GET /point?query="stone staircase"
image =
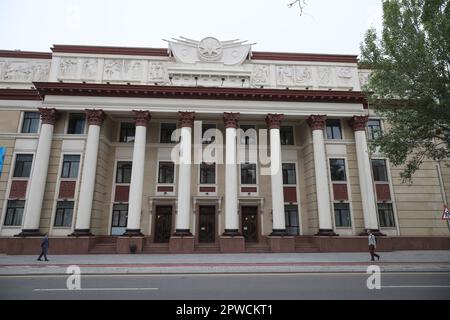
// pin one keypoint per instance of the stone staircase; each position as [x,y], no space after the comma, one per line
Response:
[257,247]
[154,248]
[104,245]
[305,244]
[207,248]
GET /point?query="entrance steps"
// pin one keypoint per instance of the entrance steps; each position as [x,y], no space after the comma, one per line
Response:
[305,244]
[257,247]
[104,245]
[150,247]
[206,248]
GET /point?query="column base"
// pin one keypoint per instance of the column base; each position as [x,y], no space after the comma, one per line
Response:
[232,244]
[182,233]
[326,232]
[280,244]
[375,232]
[279,233]
[181,244]
[231,233]
[133,233]
[81,233]
[29,233]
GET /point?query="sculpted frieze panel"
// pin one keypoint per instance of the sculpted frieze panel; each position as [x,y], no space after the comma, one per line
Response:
[68,68]
[23,71]
[123,70]
[261,74]
[157,72]
[89,68]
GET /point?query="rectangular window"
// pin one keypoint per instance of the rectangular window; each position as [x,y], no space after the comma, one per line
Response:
[334,129]
[127,132]
[119,216]
[386,215]
[291,214]
[166,172]
[287,135]
[76,123]
[342,216]
[64,213]
[379,170]
[14,213]
[123,172]
[337,168]
[289,173]
[247,135]
[248,173]
[208,136]
[207,173]
[71,164]
[166,132]
[22,167]
[374,129]
[30,122]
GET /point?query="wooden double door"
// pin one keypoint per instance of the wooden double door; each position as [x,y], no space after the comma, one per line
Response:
[163,223]
[249,223]
[206,224]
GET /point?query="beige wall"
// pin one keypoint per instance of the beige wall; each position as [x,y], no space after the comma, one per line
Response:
[418,207]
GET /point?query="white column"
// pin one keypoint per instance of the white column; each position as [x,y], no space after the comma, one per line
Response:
[278,216]
[38,178]
[137,175]
[317,124]
[182,225]
[231,172]
[358,124]
[83,217]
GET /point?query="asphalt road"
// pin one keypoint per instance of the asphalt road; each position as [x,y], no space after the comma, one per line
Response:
[230,286]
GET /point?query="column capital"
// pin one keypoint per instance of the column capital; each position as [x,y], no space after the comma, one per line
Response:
[231,119]
[186,118]
[95,117]
[273,120]
[358,123]
[141,118]
[48,115]
[317,121]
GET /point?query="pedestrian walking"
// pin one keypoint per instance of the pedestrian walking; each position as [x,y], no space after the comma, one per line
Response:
[44,248]
[372,245]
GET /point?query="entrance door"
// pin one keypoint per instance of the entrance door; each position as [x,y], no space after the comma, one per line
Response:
[207,224]
[163,223]
[250,223]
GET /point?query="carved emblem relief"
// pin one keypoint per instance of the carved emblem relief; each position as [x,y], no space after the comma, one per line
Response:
[210,49]
[23,71]
[261,74]
[89,68]
[156,72]
[68,68]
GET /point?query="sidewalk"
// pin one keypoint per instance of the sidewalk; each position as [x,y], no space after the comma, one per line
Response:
[398,261]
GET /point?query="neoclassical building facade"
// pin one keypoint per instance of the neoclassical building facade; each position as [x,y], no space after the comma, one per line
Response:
[204,146]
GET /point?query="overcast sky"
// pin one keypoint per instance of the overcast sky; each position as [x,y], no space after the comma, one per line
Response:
[326,26]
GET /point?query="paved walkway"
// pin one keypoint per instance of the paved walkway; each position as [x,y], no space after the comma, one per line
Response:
[399,261]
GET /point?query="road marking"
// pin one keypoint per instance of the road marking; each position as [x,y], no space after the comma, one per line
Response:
[383,287]
[98,289]
[229,274]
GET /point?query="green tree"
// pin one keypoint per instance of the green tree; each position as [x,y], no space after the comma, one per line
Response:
[410,81]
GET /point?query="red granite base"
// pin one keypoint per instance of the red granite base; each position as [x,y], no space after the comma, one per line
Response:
[232,244]
[32,245]
[126,245]
[281,244]
[181,244]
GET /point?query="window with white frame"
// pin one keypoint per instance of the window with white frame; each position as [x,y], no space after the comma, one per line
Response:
[289,176]
[14,213]
[30,122]
[333,128]
[386,215]
[166,172]
[70,166]
[248,173]
[342,217]
[77,122]
[207,173]
[64,214]
[22,167]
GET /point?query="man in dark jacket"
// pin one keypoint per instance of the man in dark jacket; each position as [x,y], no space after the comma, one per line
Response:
[44,247]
